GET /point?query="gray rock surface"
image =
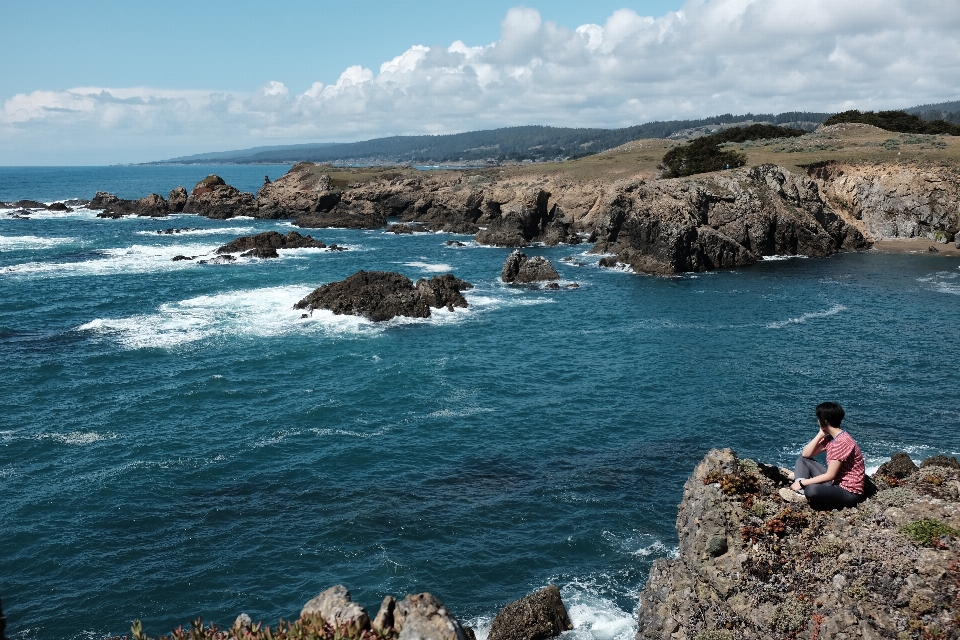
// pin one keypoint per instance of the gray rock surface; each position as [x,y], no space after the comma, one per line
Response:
[423,617]
[517,268]
[335,607]
[537,616]
[752,567]
[177,199]
[383,622]
[382,295]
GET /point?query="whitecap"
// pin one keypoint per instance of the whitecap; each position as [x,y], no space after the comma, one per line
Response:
[778,258]
[348,433]
[21,243]
[594,615]
[430,268]
[943,282]
[75,438]
[200,232]
[835,309]
[123,260]
[276,438]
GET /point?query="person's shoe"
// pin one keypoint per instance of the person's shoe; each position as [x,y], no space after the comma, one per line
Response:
[790,495]
[787,473]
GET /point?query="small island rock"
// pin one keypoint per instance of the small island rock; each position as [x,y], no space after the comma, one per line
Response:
[271,240]
[517,268]
[538,616]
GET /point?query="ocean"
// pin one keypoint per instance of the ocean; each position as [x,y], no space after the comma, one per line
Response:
[176,441]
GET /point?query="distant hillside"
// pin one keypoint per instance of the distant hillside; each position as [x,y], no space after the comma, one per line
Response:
[947,111]
[516,144]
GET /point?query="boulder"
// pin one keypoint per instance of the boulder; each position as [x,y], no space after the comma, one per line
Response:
[58,206]
[941,461]
[537,616]
[177,199]
[261,252]
[384,620]
[382,295]
[517,268]
[242,623]
[271,240]
[336,608]
[25,204]
[899,466]
[180,257]
[153,206]
[213,198]
[423,617]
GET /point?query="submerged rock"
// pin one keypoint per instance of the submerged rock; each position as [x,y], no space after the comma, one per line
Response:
[537,616]
[382,295]
[517,268]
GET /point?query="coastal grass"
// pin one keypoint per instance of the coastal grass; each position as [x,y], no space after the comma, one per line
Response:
[927,531]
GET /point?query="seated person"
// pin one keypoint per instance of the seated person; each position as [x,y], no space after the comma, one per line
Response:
[841,483]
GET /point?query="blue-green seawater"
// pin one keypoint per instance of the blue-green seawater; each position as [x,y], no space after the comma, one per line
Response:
[176,441]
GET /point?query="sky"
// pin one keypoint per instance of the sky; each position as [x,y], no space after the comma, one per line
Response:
[106,82]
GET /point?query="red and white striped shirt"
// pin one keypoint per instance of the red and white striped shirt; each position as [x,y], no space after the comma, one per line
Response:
[852,470]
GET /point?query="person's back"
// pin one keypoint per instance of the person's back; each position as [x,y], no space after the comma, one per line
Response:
[841,483]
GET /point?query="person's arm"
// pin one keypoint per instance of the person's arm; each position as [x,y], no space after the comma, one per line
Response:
[833,467]
[814,447]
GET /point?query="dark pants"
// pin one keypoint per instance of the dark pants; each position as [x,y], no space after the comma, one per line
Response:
[823,494]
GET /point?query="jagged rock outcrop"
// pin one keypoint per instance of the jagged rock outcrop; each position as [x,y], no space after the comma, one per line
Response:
[719,221]
[751,566]
[152,205]
[898,466]
[177,199]
[423,617]
[336,607]
[895,200]
[213,198]
[523,216]
[537,616]
[382,295]
[271,241]
[517,268]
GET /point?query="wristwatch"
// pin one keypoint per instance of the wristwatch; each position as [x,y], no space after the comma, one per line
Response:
[800,482]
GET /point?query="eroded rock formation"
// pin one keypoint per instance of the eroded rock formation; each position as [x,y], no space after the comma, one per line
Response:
[213,198]
[751,566]
[382,295]
[537,616]
[517,268]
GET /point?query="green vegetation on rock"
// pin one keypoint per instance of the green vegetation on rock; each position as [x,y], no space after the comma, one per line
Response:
[926,531]
[899,121]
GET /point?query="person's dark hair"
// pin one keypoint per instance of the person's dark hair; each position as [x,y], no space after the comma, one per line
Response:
[831,413]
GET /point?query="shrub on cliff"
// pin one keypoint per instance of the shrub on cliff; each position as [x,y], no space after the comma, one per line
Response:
[704,154]
[899,121]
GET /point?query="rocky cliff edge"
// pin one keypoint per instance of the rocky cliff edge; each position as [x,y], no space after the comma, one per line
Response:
[751,565]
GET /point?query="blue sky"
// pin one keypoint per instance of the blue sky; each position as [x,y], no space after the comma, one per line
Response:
[103,82]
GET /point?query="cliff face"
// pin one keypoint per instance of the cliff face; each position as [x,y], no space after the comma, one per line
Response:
[895,201]
[752,566]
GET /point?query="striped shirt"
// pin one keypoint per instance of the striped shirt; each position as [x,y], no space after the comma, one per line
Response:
[852,470]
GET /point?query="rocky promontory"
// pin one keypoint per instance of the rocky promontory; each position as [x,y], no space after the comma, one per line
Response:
[753,566]
[383,295]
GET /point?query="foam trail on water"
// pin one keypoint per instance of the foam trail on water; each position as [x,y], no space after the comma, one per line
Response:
[20,243]
[835,309]
[201,232]
[943,282]
[125,260]
[429,268]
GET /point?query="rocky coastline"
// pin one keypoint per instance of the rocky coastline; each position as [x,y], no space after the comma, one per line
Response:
[698,223]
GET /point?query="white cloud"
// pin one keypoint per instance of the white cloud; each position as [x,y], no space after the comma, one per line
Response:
[712,57]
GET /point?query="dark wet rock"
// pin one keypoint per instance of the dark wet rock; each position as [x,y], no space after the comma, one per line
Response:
[224,259]
[180,257]
[261,252]
[552,286]
[538,616]
[177,199]
[608,262]
[423,617]
[171,230]
[25,204]
[213,198]
[517,268]
[515,218]
[455,243]
[573,285]
[271,240]
[76,203]
[20,213]
[383,622]
[899,466]
[152,205]
[940,461]
[358,215]
[382,295]
[58,206]
[932,249]
[336,607]
[336,247]
[403,229]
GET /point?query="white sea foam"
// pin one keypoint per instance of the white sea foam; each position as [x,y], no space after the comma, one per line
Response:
[276,438]
[43,214]
[834,310]
[21,243]
[135,259]
[348,433]
[779,258]
[943,282]
[596,616]
[74,438]
[429,267]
